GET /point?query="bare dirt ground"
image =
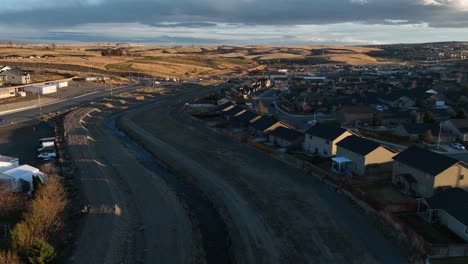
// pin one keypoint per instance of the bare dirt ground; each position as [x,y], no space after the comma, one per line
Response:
[133,216]
[274,213]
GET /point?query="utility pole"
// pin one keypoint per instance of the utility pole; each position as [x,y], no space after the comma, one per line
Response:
[440,131]
[39,99]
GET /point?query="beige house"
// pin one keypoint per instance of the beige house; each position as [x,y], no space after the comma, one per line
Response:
[419,172]
[448,207]
[264,125]
[362,157]
[286,137]
[351,114]
[458,127]
[14,76]
[321,139]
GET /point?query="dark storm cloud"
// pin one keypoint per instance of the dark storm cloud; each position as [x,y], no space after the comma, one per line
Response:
[190,13]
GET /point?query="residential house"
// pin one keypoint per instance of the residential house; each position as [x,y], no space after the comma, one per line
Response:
[244,119]
[223,100]
[458,127]
[15,76]
[321,139]
[352,114]
[419,172]
[262,126]
[232,112]
[397,98]
[364,156]
[224,107]
[419,131]
[448,207]
[286,137]
[4,68]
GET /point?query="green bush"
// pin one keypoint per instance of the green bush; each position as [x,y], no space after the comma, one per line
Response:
[41,252]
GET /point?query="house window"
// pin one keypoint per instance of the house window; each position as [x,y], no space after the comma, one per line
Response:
[327,142]
[422,189]
[462,177]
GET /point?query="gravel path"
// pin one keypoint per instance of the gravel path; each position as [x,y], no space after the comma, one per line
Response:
[274,213]
[134,216]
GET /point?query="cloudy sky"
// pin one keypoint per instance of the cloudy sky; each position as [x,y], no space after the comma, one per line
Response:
[236,22]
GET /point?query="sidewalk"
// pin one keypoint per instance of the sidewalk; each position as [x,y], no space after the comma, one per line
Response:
[31,103]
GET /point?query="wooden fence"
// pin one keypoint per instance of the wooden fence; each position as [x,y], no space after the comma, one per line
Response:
[386,211]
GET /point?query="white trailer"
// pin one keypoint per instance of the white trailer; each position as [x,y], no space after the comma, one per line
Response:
[58,84]
[43,89]
[46,145]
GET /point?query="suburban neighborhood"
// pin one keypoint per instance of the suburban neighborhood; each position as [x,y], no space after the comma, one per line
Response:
[260,160]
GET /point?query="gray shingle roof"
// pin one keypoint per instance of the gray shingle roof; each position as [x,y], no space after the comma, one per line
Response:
[326,132]
[461,124]
[264,122]
[287,133]
[452,200]
[425,160]
[358,145]
[245,117]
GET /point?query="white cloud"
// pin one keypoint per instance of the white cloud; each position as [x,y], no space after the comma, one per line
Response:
[360,2]
[396,21]
[461,5]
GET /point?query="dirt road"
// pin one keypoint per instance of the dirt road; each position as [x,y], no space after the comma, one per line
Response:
[133,216]
[274,213]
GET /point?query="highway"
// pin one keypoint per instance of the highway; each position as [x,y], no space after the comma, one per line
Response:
[34,112]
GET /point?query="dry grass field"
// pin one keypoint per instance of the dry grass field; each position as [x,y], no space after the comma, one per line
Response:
[175,61]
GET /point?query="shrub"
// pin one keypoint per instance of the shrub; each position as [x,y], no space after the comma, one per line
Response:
[22,237]
[11,202]
[8,257]
[41,252]
[43,219]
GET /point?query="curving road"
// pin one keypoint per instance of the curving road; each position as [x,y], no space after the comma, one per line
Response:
[24,115]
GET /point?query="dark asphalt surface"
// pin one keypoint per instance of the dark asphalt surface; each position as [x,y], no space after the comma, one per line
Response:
[60,106]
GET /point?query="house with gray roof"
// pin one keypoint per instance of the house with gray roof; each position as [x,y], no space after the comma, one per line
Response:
[448,207]
[321,139]
[364,157]
[458,127]
[286,137]
[418,172]
[15,76]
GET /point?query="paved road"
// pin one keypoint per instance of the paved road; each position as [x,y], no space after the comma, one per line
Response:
[63,105]
[299,121]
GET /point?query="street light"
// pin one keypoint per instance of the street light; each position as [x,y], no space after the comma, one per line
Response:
[440,131]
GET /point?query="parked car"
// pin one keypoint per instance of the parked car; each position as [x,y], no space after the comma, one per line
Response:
[2,120]
[47,155]
[458,146]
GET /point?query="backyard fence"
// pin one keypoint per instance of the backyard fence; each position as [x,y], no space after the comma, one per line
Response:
[385,211]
